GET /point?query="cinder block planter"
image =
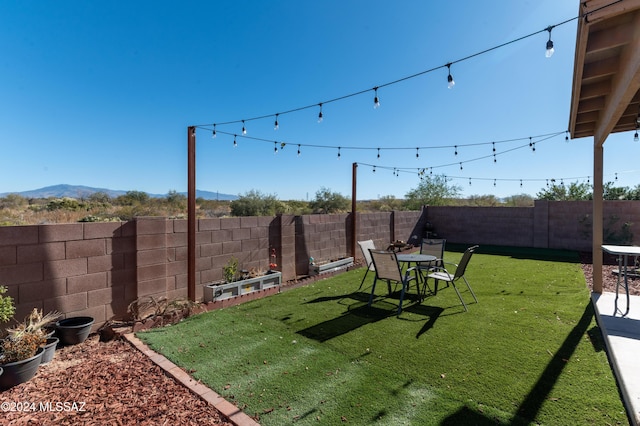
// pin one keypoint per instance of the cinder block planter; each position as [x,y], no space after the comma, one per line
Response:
[330,266]
[214,292]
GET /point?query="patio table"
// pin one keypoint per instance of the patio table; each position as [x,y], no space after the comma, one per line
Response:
[416,258]
[623,253]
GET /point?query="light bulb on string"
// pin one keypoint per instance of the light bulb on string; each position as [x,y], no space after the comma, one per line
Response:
[320,113]
[235,143]
[374,169]
[494,147]
[460,166]
[298,150]
[378,153]
[469,181]
[520,183]
[549,52]
[456,150]
[417,152]
[244,129]
[635,136]
[282,145]
[566,136]
[494,182]
[376,100]
[214,133]
[338,153]
[275,148]
[276,125]
[450,82]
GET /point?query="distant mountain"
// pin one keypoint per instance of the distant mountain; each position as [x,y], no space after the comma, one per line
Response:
[80,191]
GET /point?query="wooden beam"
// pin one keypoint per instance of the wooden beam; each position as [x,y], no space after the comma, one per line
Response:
[599,69]
[625,85]
[595,104]
[587,117]
[609,38]
[606,11]
[597,90]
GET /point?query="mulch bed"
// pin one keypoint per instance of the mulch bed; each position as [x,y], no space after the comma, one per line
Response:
[113,383]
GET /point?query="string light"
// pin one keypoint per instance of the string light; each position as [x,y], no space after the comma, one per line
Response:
[214,133]
[298,150]
[320,113]
[378,153]
[460,166]
[376,101]
[244,129]
[235,143]
[550,49]
[275,148]
[417,152]
[450,82]
[338,153]
[635,136]
[494,182]
[456,150]
[566,136]
[374,169]
[276,125]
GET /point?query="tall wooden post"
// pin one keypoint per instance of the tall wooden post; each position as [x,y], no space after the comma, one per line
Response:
[354,222]
[191,213]
[598,217]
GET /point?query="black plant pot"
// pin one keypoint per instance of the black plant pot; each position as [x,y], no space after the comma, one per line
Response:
[74,330]
[18,372]
[49,350]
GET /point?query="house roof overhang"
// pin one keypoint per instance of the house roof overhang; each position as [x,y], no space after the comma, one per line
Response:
[605,96]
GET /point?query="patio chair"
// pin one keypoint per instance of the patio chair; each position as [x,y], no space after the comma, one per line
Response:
[433,247]
[387,268]
[365,246]
[441,274]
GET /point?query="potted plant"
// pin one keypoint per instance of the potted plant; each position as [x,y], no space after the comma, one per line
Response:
[6,311]
[22,348]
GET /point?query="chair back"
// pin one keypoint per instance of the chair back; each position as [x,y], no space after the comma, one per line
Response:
[466,257]
[386,265]
[365,246]
[433,247]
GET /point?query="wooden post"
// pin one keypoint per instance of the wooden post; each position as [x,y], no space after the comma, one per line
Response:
[191,213]
[354,222]
[598,217]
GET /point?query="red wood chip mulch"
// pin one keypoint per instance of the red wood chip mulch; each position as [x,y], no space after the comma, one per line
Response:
[104,383]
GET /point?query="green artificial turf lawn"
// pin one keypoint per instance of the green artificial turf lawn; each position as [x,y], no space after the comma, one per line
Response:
[529,352]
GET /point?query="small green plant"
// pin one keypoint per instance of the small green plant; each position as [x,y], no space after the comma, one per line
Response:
[6,306]
[230,270]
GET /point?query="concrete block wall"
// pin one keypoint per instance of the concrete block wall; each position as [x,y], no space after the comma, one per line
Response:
[97,269]
[79,269]
[549,224]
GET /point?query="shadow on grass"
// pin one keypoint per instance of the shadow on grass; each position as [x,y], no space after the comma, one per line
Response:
[351,320]
[554,255]
[539,393]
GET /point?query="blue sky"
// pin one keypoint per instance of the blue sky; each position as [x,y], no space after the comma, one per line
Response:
[101,94]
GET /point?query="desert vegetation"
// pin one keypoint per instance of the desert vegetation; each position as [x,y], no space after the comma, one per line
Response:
[432,190]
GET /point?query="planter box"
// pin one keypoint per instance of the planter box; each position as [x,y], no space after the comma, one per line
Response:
[330,266]
[213,292]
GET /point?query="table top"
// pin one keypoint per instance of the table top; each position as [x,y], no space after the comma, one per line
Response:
[416,258]
[629,250]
